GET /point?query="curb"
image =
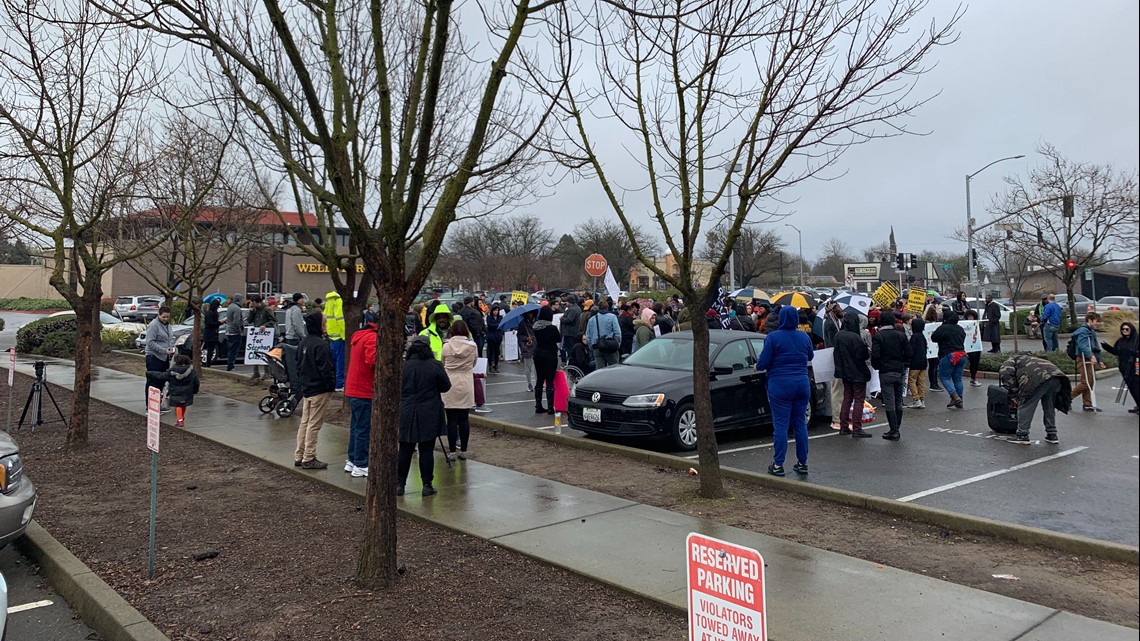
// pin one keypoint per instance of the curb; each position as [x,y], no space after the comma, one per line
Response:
[100,606]
[1026,535]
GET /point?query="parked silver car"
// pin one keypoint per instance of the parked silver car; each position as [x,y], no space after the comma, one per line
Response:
[137,308]
[1119,303]
[17,493]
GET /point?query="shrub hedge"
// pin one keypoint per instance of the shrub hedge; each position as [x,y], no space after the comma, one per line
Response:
[992,362]
[56,337]
[32,304]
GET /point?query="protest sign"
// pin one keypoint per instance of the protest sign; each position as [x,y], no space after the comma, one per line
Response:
[257,340]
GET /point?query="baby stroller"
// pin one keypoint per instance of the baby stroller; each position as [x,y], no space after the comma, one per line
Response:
[283,396]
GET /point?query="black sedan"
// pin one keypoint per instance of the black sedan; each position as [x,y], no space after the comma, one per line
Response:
[651,393]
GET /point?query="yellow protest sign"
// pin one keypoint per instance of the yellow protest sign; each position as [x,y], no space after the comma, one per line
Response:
[885,295]
[916,302]
[519,297]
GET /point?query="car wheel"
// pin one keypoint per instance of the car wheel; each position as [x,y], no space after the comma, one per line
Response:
[266,404]
[684,431]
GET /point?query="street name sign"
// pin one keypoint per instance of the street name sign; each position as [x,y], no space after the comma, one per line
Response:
[726,591]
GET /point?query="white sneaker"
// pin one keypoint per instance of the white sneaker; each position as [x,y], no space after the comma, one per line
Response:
[357,472]
[482,409]
[348,466]
[975,384]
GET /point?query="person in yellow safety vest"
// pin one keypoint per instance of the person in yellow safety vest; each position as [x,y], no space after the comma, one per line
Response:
[440,322]
[334,327]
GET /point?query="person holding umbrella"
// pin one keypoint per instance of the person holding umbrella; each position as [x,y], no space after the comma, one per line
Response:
[785,357]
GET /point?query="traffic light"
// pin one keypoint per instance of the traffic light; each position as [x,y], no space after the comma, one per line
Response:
[911,262]
[973,259]
[900,262]
[1070,265]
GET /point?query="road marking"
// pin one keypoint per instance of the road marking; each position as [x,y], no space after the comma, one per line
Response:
[529,400]
[763,445]
[990,475]
[29,606]
[506,383]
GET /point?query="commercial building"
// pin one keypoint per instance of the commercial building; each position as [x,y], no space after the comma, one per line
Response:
[642,279]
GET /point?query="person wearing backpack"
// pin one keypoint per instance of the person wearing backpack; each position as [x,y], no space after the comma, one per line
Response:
[603,333]
[1085,348]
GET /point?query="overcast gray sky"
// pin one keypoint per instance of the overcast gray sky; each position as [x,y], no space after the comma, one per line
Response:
[1023,72]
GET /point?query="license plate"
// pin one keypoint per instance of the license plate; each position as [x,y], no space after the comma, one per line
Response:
[591,415]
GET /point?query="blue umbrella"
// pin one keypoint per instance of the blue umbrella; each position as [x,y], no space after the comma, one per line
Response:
[514,317]
[209,299]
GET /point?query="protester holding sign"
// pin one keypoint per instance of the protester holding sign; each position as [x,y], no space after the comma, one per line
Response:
[261,317]
[951,341]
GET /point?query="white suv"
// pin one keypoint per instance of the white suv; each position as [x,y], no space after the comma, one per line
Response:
[1122,303]
[137,308]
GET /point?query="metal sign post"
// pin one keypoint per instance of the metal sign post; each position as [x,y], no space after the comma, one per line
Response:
[153,413]
[11,383]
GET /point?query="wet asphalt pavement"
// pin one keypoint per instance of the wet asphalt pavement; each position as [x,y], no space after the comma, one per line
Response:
[35,612]
[947,458]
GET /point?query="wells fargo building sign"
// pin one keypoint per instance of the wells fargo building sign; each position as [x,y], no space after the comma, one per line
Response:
[319,268]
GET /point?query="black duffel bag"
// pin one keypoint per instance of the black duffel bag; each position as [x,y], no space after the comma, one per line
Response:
[1001,410]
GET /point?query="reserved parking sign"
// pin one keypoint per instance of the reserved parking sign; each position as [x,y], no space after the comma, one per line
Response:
[726,591]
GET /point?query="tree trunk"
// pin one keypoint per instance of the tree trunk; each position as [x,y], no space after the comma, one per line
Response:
[712,482]
[376,565]
[81,394]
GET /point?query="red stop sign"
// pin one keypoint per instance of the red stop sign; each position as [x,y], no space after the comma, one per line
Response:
[596,265]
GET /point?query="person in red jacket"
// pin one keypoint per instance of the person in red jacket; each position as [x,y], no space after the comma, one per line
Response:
[358,390]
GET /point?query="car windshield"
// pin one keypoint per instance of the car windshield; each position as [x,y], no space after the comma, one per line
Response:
[667,353]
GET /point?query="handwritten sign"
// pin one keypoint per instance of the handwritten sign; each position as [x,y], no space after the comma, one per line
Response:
[885,295]
[257,340]
[520,297]
[916,301]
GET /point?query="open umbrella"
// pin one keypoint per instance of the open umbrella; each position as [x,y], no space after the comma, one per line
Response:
[848,301]
[798,300]
[215,296]
[748,293]
[514,317]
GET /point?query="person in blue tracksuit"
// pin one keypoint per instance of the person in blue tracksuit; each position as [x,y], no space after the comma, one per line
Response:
[785,357]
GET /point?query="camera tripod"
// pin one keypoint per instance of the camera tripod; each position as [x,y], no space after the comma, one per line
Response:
[35,395]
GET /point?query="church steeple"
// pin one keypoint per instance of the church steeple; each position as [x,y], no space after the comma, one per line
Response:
[891,242]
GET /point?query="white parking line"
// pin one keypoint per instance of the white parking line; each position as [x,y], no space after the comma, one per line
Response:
[506,383]
[990,475]
[529,400]
[28,606]
[763,445]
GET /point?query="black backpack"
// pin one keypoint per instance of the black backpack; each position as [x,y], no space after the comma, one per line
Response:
[1071,348]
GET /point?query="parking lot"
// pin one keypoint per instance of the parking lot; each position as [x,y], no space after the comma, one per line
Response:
[949,459]
[35,612]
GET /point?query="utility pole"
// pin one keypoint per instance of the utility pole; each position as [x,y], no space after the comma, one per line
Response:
[971,269]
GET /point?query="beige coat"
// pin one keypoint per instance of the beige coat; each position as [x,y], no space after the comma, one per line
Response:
[459,356]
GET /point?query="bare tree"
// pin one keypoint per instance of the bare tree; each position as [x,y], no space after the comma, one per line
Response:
[502,253]
[608,238]
[727,101]
[72,99]
[209,201]
[876,252]
[379,114]
[833,253]
[1100,228]
[759,251]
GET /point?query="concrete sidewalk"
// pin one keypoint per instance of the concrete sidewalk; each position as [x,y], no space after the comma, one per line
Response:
[812,594]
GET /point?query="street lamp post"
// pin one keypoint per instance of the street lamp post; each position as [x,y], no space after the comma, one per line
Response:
[971,270]
[801,237]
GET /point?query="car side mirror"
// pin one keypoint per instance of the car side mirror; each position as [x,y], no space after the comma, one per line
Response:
[720,371]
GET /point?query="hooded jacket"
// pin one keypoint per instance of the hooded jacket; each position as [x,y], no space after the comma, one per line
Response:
[421,406]
[787,351]
[459,354]
[917,343]
[851,352]
[949,336]
[315,369]
[432,331]
[359,380]
[547,338]
[890,349]
[183,381]
[569,320]
[334,316]
[643,329]
[1126,350]
[474,319]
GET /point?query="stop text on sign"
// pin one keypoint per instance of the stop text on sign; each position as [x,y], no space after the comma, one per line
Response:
[726,591]
[596,265]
